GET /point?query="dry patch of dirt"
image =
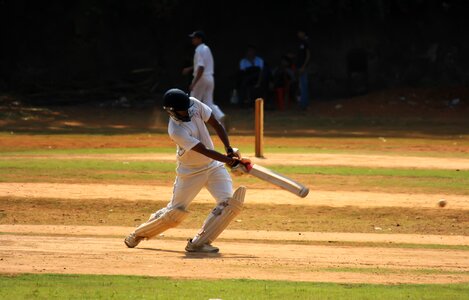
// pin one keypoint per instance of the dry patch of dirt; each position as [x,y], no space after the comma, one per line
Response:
[85,255]
[254,196]
[362,141]
[255,216]
[253,235]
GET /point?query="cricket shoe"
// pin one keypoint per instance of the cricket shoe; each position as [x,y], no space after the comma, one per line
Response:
[205,248]
[132,240]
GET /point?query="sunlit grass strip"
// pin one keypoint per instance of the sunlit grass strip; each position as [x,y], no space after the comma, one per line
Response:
[140,150]
[322,177]
[163,166]
[51,286]
[87,164]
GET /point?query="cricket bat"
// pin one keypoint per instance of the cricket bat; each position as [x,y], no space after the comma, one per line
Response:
[277,179]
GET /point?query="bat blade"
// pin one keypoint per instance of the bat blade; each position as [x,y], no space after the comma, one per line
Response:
[278,180]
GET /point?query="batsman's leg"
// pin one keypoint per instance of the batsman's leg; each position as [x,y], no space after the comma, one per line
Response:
[216,222]
[162,220]
[185,190]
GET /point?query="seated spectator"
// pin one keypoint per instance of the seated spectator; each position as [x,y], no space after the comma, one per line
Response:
[250,77]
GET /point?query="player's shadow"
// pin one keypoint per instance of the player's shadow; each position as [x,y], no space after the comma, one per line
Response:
[199,255]
[185,255]
[163,250]
[194,255]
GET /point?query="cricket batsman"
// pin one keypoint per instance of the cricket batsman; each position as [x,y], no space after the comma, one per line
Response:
[198,166]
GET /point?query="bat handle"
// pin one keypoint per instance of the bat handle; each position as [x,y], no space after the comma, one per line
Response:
[248,166]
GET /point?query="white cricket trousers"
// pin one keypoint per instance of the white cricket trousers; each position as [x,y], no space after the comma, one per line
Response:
[186,187]
[203,91]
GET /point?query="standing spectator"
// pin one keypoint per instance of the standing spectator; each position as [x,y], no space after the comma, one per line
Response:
[303,59]
[203,83]
[282,78]
[250,80]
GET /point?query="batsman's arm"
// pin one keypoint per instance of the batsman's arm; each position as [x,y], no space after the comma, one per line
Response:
[221,132]
[200,148]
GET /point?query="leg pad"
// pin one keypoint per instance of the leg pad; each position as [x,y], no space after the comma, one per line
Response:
[220,217]
[168,219]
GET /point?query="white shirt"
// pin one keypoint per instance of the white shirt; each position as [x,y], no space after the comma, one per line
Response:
[188,134]
[203,58]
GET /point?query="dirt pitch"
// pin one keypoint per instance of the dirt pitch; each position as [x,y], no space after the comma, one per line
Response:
[254,260]
[286,255]
[244,254]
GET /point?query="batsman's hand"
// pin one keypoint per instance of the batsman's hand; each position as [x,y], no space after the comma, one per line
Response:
[239,166]
[233,152]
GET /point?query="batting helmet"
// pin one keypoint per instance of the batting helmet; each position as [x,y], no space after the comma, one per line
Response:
[175,100]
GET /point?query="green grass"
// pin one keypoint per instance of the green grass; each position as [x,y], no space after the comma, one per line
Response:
[141,150]
[246,148]
[87,164]
[163,172]
[355,244]
[94,164]
[363,171]
[51,286]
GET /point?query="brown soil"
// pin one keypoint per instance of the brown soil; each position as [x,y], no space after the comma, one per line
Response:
[90,250]
[252,260]
[379,141]
[257,196]
[375,114]
[240,235]
[248,254]
[274,217]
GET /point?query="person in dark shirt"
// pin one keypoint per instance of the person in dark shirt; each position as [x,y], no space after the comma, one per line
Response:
[250,77]
[303,59]
[282,78]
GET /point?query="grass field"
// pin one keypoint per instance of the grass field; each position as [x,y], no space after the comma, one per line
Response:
[77,161]
[132,287]
[161,173]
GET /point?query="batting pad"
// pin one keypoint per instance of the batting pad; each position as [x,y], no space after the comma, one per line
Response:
[220,217]
[169,219]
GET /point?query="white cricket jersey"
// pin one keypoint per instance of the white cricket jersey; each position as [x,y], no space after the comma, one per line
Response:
[188,134]
[203,58]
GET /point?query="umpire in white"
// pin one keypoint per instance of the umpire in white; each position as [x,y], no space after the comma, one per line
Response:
[203,82]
